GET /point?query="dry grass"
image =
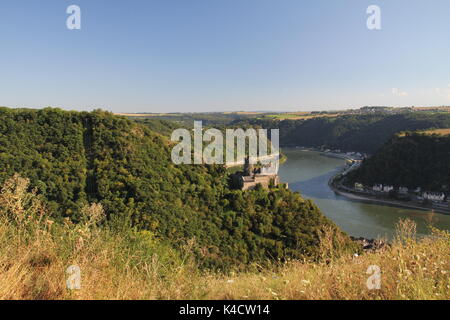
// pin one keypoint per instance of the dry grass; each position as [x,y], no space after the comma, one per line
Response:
[244,112]
[35,253]
[442,132]
[302,116]
[409,270]
[140,115]
[445,109]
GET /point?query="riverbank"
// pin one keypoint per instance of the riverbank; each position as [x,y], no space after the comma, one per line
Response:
[310,172]
[235,166]
[336,186]
[329,154]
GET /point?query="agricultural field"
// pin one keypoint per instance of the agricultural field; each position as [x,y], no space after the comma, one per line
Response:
[300,115]
[441,132]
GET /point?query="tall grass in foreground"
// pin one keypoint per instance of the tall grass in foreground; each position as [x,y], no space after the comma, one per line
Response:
[35,253]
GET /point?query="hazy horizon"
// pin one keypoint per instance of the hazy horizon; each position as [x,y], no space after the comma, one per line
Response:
[255,110]
[224,56]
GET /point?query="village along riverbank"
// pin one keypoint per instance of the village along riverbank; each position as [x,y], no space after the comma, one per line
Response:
[310,172]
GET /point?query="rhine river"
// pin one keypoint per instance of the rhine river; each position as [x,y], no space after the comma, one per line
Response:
[308,172]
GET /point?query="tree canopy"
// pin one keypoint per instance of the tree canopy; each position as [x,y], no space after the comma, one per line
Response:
[409,160]
[75,158]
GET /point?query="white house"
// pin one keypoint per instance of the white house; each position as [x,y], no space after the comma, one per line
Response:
[434,196]
[403,190]
[378,188]
[359,186]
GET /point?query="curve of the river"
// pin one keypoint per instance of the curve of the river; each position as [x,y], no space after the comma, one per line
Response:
[308,172]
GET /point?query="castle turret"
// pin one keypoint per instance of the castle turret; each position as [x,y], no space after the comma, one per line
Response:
[248,168]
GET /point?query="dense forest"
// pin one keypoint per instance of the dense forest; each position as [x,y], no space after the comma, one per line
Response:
[216,119]
[364,133]
[409,160]
[76,158]
[163,127]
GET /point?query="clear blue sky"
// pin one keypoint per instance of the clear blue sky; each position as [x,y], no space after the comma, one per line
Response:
[217,55]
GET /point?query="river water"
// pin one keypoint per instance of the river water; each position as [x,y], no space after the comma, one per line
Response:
[308,172]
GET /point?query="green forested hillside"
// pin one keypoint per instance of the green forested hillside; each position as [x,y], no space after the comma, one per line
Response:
[365,133]
[411,160]
[77,158]
[161,126]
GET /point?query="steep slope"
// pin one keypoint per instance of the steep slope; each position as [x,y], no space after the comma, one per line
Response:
[74,158]
[411,160]
[365,133]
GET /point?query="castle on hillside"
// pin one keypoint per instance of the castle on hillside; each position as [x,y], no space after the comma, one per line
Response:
[266,176]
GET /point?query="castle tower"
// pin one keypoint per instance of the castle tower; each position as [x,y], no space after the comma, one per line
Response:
[248,168]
